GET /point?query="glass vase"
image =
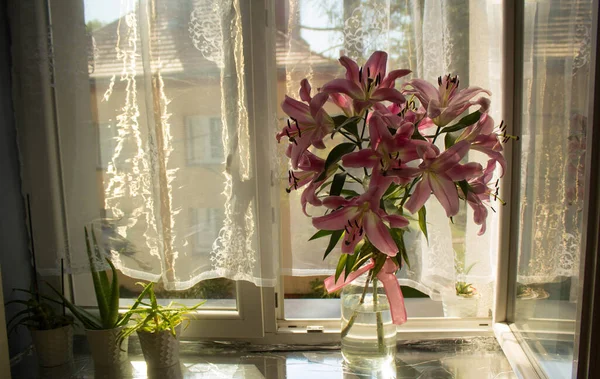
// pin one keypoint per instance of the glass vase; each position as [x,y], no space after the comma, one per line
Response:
[368,334]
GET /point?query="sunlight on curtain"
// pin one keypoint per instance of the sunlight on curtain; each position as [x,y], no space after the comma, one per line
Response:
[431,38]
[175,172]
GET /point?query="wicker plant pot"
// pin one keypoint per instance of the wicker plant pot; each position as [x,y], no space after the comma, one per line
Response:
[104,347]
[161,350]
[53,347]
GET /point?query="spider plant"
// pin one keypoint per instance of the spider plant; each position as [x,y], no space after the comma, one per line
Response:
[38,314]
[107,292]
[150,317]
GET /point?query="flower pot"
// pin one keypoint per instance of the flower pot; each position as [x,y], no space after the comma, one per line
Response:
[460,306]
[53,347]
[368,334]
[104,347]
[161,350]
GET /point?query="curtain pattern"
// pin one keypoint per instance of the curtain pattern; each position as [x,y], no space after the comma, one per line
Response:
[432,38]
[556,59]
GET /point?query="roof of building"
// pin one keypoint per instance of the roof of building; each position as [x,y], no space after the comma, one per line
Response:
[182,41]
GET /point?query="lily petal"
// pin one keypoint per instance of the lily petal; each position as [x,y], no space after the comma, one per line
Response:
[351,69]
[376,65]
[361,158]
[422,89]
[297,110]
[390,79]
[379,235]
[396,221]
[336,220]
[445,191]
[419,196]
[343,86]
[389,94]
[305,90]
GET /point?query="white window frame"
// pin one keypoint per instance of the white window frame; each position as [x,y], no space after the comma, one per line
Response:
[260,310]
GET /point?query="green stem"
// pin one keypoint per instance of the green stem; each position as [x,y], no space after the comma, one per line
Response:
[407,193]
[437,133]
[380,345]
[355,314]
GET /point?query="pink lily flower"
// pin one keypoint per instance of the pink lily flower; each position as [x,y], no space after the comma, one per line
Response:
[386,149]
[482,137]
[310,167]
[479,195]
[439,172]
[311,124]
[369,84]
[362,216]
[447,102]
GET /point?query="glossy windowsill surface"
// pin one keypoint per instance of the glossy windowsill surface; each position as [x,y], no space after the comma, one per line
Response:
[476,358]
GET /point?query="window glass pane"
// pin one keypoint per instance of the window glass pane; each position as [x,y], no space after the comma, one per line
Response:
[556,76]
[431,39]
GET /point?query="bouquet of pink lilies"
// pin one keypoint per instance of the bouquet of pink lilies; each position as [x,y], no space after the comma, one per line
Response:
[386,162]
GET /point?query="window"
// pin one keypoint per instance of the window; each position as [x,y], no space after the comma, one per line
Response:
[182,167]
[205,143]
[107,139]
[204,228]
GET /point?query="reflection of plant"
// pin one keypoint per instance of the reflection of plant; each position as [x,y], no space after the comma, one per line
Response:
[463,288]
[153,318]
[318,290]
[38,313]
[531,292]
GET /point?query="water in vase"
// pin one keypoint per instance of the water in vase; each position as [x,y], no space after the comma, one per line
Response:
[363,345]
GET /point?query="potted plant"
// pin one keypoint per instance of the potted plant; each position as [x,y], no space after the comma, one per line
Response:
[51,331]
[103,332]
[158,328]
[463,300]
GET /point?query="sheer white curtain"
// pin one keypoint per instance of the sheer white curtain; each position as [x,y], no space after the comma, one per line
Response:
[557,64]
[432,38]
[171,149]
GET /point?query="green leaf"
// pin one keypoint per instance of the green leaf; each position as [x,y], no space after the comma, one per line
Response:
[339,120]
[88,320]
[113,315]
[379,262]
[340,266]
[398,237]
[321,234]
[423,222]
[349,193]
[350,260]
[338,184]
[450,139]
[417,135]
[96,279]
[464,186]
[468,120]
[335,237]
[334,156]
[349,124]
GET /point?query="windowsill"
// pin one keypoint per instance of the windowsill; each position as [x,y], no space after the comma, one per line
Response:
[466,358]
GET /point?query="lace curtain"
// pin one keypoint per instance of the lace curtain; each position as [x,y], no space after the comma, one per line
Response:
[162,139]
[432,38]
[557,64]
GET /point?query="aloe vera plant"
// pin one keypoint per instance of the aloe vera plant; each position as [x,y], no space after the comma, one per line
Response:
[107,293]
[151,317]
